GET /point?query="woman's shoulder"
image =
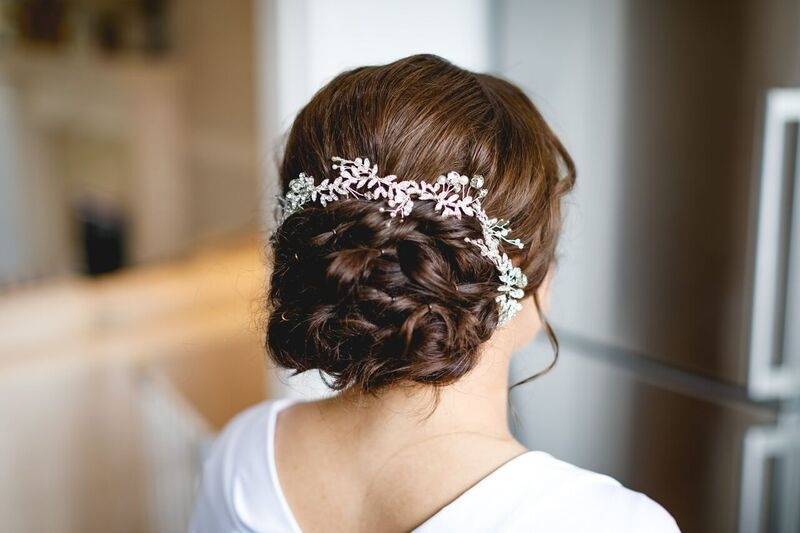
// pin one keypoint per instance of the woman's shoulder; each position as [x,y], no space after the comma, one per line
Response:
[237,490]
[586,500]
[536,492]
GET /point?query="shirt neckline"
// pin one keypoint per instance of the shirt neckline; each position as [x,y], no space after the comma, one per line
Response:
[282,404]
[279,406]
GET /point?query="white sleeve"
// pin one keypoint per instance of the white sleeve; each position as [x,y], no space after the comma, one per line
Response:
[647,515]
[235,461]
[634,512]
[612,508]
[212,512]
[238,489]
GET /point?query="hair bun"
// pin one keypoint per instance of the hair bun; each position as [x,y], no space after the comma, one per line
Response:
[370,304]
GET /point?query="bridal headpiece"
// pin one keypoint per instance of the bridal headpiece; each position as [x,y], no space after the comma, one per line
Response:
[455,195]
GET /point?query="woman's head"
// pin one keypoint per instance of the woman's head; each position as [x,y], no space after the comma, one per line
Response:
[372,305]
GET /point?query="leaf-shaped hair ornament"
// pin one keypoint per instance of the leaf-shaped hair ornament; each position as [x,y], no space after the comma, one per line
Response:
[455,196]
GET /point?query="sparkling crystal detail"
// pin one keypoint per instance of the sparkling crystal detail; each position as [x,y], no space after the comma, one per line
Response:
[453,194]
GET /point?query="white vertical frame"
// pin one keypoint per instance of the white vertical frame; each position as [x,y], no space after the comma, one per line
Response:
[767,380]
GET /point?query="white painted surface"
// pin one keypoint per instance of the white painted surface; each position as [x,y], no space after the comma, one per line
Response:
[12,249]
[317,39]
[568,57]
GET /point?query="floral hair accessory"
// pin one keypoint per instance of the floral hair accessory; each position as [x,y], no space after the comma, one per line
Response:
[455,195]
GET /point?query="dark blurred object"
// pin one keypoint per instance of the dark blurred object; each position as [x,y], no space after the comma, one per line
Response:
[142,26]
[103,237]
[131,25]
[108,28]
[155,21]
[40,21]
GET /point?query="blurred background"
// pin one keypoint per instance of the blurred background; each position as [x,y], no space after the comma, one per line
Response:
[138,143]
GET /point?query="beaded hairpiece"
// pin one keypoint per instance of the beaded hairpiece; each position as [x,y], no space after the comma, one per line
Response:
[454,194]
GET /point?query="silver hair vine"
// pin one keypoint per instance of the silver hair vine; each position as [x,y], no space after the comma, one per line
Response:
[454,194]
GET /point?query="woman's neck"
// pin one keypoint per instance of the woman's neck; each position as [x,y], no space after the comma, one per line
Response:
[404,453]
[475,404]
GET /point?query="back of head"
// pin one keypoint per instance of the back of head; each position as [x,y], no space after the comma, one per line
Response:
[371,304]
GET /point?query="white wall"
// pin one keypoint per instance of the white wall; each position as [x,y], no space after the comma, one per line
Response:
[568,57]
[12,252]
[318,39]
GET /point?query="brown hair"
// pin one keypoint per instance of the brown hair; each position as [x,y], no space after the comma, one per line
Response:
[369,304]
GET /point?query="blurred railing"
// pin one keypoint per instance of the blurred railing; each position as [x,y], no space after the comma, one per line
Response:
[176,439]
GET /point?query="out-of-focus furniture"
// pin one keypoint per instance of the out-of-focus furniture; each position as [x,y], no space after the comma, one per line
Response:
[89,125]
[109,390]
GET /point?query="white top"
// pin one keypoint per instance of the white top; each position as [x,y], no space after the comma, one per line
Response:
[240,492]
